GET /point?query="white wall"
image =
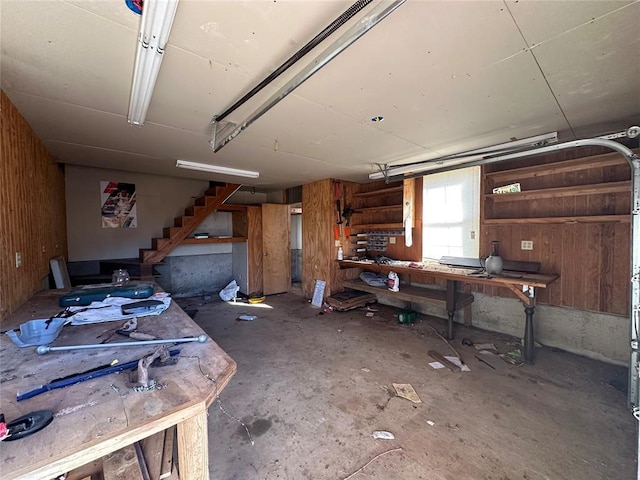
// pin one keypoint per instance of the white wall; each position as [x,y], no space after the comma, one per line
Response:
[159,200]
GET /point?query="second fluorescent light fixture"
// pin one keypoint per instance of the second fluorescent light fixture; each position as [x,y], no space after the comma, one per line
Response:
[205,167]
[155,26]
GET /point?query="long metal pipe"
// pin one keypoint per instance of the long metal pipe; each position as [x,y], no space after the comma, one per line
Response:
[379,13]
[589,142]
[42,349]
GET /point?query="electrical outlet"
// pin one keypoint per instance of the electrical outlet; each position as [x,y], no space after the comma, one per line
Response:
[392,240]
[526,245]
[18,259]
[473,235]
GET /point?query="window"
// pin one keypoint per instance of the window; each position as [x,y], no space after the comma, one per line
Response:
[451,214]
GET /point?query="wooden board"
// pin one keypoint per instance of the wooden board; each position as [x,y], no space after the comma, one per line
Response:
[276,248]
[152,449]
[122,465]
[32,209]
[254,249]
[118,415]
[318,250]
[167,466]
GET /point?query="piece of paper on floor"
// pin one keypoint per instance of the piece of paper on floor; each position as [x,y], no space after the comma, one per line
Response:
[456,361]
[405,390]
[436,365]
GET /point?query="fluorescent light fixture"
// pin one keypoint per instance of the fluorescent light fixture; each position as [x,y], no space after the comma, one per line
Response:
[155,26]
[466,157]
[205,167]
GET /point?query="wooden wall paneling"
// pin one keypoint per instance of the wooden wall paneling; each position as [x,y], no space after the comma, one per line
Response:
[606,277]
[572,277]
[254,248]
[550,247]
[621,282]
[318,248]
[589,257]
[32,210]
[239,224]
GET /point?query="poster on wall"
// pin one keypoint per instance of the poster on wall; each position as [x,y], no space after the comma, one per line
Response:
[118,202]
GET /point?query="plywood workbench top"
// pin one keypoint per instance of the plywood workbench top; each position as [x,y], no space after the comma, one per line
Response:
[99,416]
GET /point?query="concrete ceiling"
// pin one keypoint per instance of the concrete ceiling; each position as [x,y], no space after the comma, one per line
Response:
[447,76]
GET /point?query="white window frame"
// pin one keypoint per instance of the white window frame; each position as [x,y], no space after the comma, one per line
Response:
[451,214]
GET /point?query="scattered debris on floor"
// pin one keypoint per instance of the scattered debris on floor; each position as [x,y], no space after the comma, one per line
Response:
[430,423]
[514,357]
[485,346]
[371,461]
[366,370]
[407,317]
[405,390]
[247,318]
[383,434]
[452,363]
[484,361]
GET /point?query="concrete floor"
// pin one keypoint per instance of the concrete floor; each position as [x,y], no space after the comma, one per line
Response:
[313,388]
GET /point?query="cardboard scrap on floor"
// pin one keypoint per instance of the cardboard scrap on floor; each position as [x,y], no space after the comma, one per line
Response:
[405,390]
[455,360]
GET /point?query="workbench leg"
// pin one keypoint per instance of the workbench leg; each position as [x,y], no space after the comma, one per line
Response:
[529,341]
[193,448]
[451,306]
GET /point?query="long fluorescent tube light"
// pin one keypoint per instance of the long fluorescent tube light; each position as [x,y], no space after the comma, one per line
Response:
[205,167]
[155,26]
[468,156]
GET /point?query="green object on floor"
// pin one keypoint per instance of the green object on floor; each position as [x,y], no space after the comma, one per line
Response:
[405,316]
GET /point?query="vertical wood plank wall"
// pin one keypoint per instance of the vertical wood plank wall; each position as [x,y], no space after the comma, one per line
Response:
[254,244]
[318,218]
[593,259]
[32,210]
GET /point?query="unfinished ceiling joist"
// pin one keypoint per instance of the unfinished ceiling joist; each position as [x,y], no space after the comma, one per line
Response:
[223,134]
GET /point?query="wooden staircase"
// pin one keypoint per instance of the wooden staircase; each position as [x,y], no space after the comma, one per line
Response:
[185,225]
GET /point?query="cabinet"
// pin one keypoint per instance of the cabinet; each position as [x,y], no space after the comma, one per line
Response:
[595,189]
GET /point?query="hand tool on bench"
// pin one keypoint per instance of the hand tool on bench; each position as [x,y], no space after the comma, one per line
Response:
[130,326]
[25,425]
[136,335]
[43,349]
[161,354]
[82,377]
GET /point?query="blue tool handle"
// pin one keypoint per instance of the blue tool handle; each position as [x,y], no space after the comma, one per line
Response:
[81,377]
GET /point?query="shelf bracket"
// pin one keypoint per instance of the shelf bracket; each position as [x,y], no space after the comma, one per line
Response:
[384,169]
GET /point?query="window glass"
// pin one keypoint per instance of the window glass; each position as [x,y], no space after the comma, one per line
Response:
[451,214]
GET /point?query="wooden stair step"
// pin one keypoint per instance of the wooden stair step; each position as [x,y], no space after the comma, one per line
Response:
[186,224]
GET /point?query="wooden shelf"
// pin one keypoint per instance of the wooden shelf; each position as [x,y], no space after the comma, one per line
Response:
[593,189]
[377,209]
[202,241]
[225,207]
[576,219]
[380,191]
[584,163]
[380,226]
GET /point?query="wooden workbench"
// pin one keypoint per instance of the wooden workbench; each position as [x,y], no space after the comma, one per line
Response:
[100,416]
[522,285]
